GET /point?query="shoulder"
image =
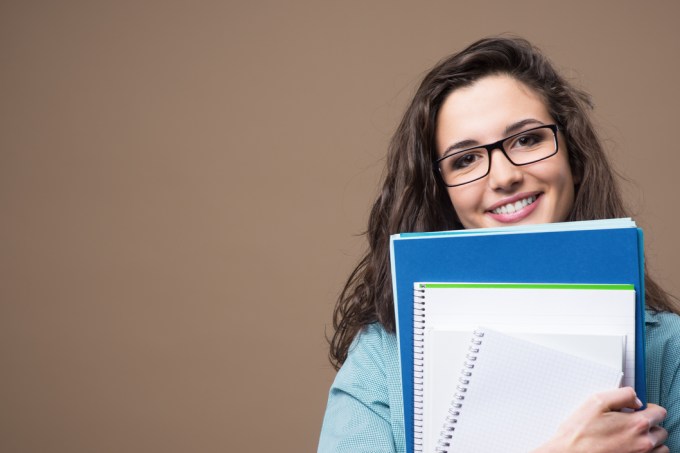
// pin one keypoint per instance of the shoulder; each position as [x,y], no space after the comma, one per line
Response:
[374,339]
[662,340]
[663,329]
[373,354]
[662,350]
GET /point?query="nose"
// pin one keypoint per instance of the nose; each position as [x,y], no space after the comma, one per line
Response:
[503,175]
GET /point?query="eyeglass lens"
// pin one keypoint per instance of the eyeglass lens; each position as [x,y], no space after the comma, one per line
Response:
[524,148]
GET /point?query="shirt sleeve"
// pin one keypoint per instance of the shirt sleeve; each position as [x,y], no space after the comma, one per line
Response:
[672,405]
[670,381]
[663,371]
[358,417]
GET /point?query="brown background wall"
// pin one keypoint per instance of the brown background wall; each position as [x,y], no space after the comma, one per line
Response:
[181,185]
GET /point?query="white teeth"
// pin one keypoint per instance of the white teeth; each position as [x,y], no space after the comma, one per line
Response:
[511,208]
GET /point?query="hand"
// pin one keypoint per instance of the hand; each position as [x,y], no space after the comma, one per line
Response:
[599,426]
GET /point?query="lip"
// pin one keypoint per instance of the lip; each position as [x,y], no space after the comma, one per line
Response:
[517,215]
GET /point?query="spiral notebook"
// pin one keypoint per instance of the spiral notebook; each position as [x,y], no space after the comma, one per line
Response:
[502,374]
[595,322]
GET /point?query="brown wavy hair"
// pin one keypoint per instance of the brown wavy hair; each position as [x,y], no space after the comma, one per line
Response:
[413,198]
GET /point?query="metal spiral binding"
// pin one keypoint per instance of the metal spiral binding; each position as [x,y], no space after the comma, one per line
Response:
[418,358]
[459,397]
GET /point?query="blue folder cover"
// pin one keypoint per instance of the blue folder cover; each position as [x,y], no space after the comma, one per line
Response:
[612,256]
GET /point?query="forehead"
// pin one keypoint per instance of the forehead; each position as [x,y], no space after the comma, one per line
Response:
[482,110]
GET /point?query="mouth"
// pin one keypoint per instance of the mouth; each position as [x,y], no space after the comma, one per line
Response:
[511,208]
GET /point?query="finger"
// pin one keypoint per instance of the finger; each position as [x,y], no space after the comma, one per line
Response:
[617,399]
[655,414]
[658,435]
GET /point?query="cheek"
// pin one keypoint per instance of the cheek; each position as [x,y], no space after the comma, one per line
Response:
[465,199]
[561,181]
[566,177]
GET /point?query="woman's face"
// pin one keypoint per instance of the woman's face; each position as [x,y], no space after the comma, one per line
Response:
[491,109]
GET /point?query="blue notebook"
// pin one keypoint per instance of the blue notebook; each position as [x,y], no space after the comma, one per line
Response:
[598,252]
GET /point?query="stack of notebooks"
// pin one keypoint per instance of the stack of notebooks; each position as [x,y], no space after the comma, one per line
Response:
[503,333]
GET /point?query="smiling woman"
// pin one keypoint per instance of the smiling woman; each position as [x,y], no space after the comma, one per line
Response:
[525,178]
[494,136]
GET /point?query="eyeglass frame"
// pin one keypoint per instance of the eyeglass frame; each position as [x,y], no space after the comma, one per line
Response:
[498,145]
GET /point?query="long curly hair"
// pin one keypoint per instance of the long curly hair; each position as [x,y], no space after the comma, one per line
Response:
[414,199]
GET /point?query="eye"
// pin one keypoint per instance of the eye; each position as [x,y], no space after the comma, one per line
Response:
[527,140]
[530,140]
[467,159]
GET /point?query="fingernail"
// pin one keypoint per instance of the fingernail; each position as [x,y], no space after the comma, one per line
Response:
[637,400]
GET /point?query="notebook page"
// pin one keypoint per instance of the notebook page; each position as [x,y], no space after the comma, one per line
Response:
[537,310]
[510,374]
[441,376]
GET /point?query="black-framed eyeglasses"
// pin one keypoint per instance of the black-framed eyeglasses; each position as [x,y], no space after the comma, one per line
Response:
[523,148]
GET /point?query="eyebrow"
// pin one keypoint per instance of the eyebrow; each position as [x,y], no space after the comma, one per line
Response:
[509,130]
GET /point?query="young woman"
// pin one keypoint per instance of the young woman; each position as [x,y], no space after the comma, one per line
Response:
[441,177]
